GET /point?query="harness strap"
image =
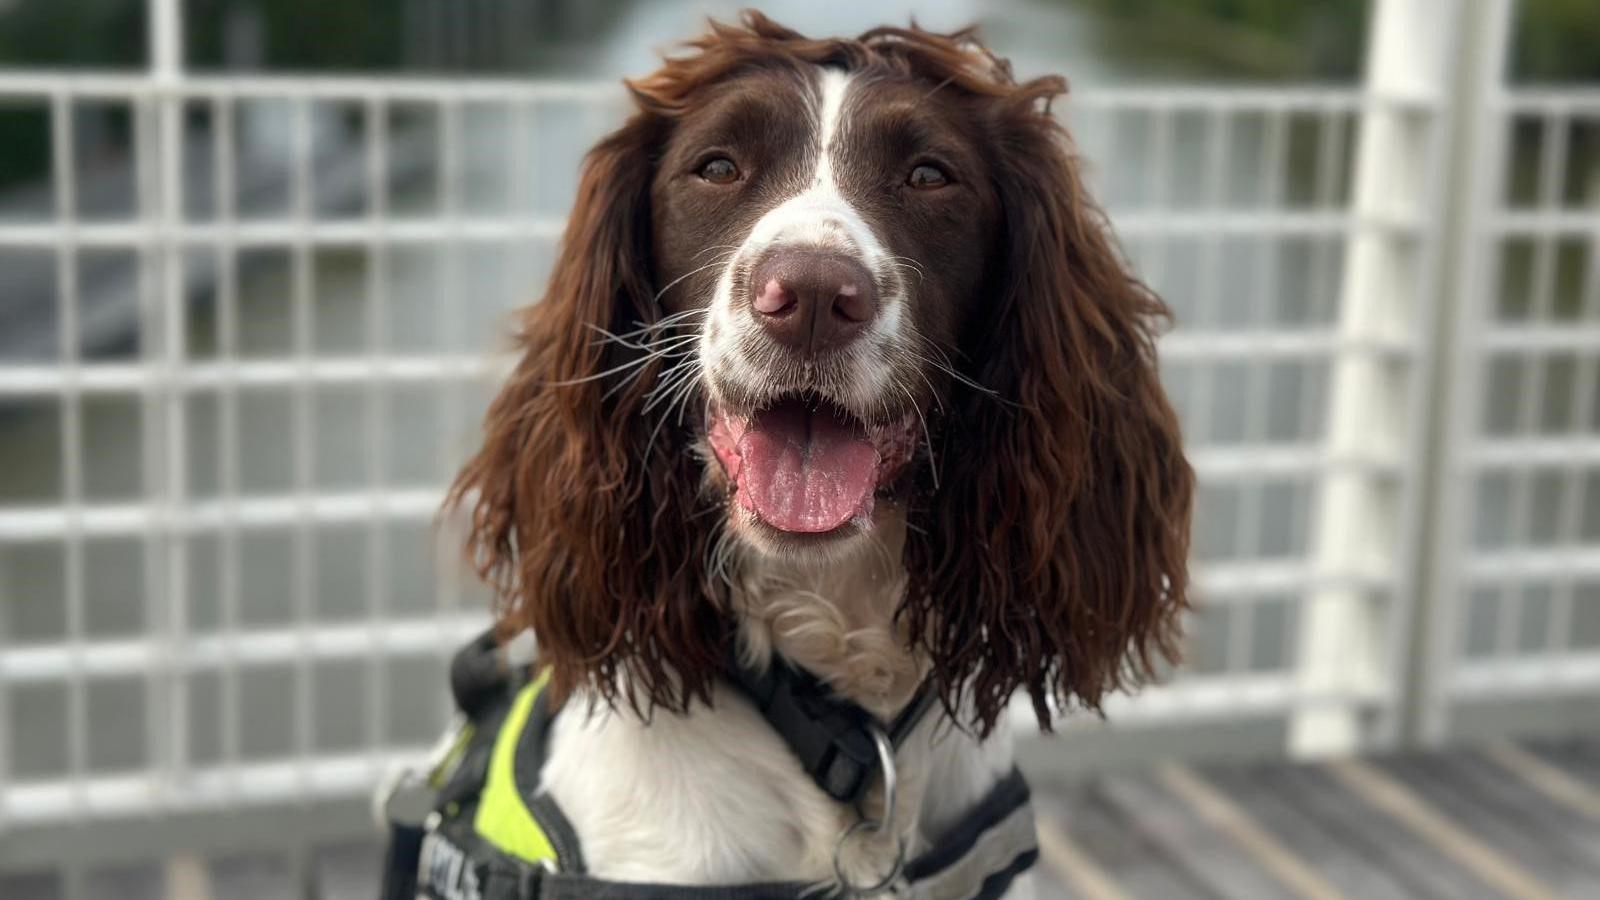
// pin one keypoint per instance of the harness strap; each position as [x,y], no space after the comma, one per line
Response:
[830,735]
[400,861]
[561,886]
[514,813]
[978,859]
[503,818]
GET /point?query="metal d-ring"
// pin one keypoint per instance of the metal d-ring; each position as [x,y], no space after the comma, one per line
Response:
[891,787]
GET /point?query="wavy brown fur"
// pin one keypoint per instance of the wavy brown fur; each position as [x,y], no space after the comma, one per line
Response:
[1053,557]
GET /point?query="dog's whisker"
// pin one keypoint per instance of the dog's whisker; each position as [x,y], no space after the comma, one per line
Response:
[689,379]
[672,321]
[622,383]
[668,382]
[683,400]
[663,347]
[719,555]
[944,359]
[948,368]
[636,335]
[938,401]
[676,281]
[679,352]
[733,247]
[666,392]
[630,364]
[903,264]
[671,342]
[927,439]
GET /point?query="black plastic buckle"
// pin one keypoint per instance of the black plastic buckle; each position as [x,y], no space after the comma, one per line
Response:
[830,737]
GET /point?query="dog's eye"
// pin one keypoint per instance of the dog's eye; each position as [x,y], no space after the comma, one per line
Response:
[720,171]
[927,177]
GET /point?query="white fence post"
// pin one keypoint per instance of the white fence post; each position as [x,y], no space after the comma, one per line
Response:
[1481,138]
[165,350]
[1350,638]
[165,21]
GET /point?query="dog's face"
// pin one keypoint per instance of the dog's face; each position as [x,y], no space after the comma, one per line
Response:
[830,233]
[807,285]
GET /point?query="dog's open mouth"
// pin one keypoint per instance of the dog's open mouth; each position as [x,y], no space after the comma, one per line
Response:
[805,465]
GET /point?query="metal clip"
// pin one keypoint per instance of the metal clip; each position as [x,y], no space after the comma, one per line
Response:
[866,826]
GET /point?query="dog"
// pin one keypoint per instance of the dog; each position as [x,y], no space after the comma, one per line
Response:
[839,364]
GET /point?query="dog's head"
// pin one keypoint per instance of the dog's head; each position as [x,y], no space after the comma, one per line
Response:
[809,286]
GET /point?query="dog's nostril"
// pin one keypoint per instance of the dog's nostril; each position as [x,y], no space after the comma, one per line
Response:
[852,305]
[774,299]
[812,299]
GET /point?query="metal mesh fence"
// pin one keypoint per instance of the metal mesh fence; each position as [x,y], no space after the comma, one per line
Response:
[1521,591]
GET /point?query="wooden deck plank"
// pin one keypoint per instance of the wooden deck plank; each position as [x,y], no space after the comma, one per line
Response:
[1133,863]
[241,875]
[1579,759]
[1531,842]
[33,885]
[1221,812]
[1555,783]
[1067,870]
[1046,886]
[1425,873]
[1564,823]
[1485,862]
[124,882]
[1210,856]
[1282,812]
[348,870]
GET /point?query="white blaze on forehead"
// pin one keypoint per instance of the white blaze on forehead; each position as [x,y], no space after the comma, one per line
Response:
[834,85]
[817,214]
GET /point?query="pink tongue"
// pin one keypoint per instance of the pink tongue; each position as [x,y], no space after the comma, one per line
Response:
[805,471]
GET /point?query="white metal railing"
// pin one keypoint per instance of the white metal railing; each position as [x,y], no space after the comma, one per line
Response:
[1516,611]
[179,526]
[283,481]
[1240,208]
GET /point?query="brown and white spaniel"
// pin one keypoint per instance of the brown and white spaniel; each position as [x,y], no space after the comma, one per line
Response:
[838,362]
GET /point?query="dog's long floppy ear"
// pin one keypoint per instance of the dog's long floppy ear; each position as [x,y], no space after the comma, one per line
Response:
[1052,554]
[582,512]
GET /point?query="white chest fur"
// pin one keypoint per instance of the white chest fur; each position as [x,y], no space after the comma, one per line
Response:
[716,797]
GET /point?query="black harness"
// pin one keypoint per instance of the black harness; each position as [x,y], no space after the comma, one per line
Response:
[448,830]
[831,736]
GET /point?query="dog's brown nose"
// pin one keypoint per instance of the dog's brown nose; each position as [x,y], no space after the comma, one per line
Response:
[812,300]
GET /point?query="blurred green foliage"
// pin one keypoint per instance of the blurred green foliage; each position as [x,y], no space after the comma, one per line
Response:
[1557,40]
[348,35]
[24,143]
[102,34]
[58,34]
[1552,40]
[1319,39]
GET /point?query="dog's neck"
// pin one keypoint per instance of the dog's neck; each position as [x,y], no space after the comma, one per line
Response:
[835,617]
